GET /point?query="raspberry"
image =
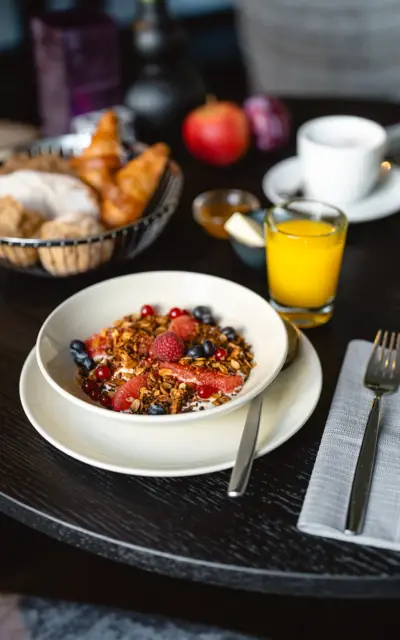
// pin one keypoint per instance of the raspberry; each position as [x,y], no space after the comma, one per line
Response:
[184,326]
[168,346]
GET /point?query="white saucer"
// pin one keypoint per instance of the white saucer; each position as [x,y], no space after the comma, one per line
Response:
[284,179]
[170,450]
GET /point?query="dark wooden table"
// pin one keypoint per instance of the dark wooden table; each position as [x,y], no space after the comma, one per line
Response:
[186,527]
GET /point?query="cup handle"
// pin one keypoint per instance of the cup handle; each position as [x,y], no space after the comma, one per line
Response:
[393,138]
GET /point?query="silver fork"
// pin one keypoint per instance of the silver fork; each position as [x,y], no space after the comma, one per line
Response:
[382,376]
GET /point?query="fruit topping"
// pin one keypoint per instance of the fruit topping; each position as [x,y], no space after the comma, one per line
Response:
[168,346]
[88,386]
[103,373]
[220,354]
[205,391]
[176,312]
[128,392]
[209,348]
[105,400]
[208,319]
[199,312]
[156,410]
[77,347]
[204,377]
[197,351]
[185,327]
[95,394]
[87,363]
[96,345]
[155,363]
[229,332]
[147,310]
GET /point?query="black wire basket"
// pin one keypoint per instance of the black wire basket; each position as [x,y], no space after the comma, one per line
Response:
[67,257]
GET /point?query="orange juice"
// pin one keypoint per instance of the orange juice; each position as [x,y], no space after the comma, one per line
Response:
[304,258]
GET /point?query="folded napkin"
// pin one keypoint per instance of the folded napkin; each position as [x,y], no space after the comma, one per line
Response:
[325,505]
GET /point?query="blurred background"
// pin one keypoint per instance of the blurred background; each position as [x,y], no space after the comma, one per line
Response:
[291,48]
[212,42]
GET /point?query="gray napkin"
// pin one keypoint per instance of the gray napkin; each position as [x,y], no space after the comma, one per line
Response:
[325,505]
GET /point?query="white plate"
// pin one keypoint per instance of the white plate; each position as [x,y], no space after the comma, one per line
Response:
[285,178]
[102,304]
[181,449]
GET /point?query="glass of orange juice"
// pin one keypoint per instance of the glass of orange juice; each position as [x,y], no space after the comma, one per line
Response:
[305,241]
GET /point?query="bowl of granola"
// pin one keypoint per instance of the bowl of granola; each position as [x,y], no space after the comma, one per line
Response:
[162,347]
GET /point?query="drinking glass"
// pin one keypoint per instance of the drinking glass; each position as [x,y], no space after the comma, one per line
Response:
[305,240]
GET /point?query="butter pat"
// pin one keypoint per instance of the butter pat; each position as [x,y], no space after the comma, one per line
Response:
[245,230]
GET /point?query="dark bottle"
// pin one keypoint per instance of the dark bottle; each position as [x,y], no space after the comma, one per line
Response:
[168,86]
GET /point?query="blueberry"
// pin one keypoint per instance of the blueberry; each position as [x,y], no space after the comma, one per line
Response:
[196,352]
[208,319]
[209,348]
[156,410]
[229,332]
[199,312]
[87,363]
[77,346]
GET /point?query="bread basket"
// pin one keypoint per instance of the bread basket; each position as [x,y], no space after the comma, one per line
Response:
[69,257]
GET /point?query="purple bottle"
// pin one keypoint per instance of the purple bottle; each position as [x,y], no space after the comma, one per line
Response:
[77,67]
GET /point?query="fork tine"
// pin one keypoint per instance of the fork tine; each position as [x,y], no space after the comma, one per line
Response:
[374,357]
[383,346]
[376,344]
[390,350]
[396,358]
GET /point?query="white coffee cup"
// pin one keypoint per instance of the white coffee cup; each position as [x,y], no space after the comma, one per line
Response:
[340,157]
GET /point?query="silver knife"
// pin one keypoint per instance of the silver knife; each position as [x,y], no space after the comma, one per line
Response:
[245,456]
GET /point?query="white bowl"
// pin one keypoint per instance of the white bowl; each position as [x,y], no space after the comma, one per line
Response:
[99,306]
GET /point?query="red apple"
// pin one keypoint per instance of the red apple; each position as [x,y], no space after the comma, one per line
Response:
[217,132]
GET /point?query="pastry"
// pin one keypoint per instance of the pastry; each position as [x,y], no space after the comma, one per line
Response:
[136,183]
[51,194]
[102,157]
[47,162]
[17,222]
[68,260]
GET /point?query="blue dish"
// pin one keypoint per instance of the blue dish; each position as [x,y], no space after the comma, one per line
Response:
[253,257]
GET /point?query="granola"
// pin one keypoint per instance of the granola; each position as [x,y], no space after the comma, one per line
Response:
[153,363]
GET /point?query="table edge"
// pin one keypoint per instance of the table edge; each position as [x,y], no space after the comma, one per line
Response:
[206,572]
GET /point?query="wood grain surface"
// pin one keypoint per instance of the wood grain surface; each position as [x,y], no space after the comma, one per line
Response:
[187,527]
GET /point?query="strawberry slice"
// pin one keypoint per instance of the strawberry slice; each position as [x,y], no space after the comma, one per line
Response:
[127,392]
[204,377]
[184,326]
[96,345]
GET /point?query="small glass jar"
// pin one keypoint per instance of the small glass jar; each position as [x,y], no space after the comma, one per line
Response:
[213,208]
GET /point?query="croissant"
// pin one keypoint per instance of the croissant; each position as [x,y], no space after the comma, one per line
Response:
[105,140]
[118,210]
[139,178]
[102,157]
[136,184]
